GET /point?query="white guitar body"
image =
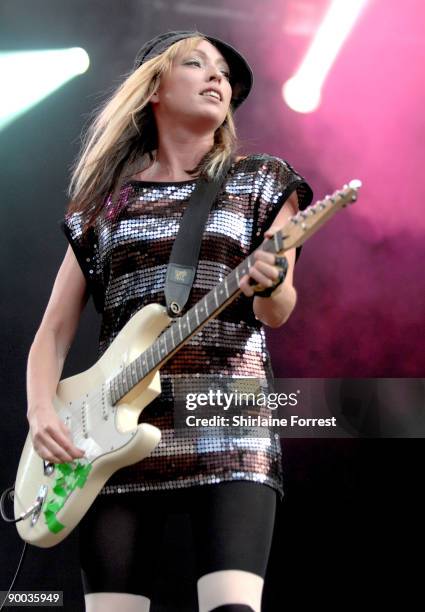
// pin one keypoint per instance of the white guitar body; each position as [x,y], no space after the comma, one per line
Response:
[109,435]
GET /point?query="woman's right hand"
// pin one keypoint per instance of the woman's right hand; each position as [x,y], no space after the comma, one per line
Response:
[51,438]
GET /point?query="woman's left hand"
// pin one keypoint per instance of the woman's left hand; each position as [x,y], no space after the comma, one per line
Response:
[264,271]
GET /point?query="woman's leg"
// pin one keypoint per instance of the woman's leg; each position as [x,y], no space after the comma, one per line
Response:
[233,529]
[111,602]
[118,540]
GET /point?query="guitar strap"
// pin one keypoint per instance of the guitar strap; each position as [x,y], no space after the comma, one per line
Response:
[184,256]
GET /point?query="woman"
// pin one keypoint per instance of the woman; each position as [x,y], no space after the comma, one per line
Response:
[170,122]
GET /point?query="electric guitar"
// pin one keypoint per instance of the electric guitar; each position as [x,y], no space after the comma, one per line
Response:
[101,406]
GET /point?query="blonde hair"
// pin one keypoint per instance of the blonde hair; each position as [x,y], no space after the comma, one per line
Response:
[123,135]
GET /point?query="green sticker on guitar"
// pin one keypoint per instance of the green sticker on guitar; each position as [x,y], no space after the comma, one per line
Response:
[68,478]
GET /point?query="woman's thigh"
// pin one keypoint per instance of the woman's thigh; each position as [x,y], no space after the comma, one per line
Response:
[119,538]
[233,526]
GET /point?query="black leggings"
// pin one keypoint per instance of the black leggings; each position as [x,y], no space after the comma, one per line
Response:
[232,525]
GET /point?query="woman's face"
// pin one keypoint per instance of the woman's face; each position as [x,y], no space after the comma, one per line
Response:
[181,96]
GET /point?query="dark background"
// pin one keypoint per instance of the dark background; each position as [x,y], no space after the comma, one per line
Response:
[351,520]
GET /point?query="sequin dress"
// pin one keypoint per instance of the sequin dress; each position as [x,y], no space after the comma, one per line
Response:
[124,262]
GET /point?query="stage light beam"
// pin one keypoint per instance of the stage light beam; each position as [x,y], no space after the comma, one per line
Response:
[302,92]
[27,77]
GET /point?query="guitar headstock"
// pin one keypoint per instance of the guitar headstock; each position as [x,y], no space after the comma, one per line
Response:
[302,225]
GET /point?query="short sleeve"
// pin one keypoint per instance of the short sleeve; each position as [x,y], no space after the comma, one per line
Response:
[275,182]
[86,250]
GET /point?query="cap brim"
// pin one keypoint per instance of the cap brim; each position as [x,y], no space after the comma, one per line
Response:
[241,77]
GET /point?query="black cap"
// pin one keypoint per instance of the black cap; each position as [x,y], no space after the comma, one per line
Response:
[241,78]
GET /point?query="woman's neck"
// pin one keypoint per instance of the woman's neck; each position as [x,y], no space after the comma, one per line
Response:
[178,151]
[155,171]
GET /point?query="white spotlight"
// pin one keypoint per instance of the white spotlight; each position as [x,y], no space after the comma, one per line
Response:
[26,77]
[302,92]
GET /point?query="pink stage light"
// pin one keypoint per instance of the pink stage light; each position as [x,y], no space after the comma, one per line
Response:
[302,92]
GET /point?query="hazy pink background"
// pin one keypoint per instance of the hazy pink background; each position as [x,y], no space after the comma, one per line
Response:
[360,280]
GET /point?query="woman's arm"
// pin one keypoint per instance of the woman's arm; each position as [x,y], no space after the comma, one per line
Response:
[276,309]
[51,438]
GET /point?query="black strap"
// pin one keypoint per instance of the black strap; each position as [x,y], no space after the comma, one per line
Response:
[187,244]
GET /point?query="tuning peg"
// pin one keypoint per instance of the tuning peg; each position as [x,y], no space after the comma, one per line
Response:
[355,184]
